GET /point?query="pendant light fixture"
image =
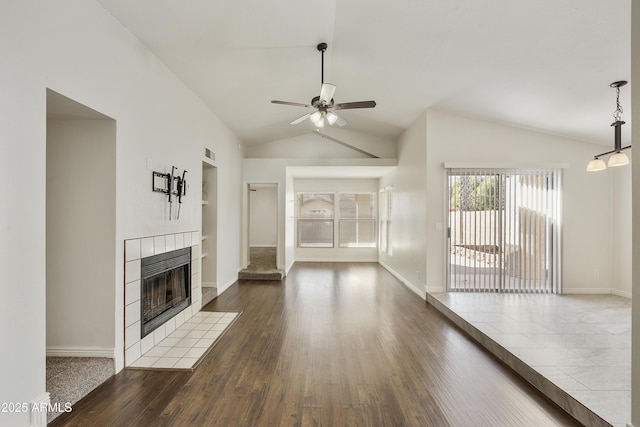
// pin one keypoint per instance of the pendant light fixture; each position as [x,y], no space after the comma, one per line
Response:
[618,158]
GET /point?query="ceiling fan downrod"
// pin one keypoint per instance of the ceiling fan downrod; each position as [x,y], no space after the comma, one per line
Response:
[322,47]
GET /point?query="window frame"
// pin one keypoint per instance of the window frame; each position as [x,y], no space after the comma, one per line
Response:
[372,219]
[301,219]
[337,220]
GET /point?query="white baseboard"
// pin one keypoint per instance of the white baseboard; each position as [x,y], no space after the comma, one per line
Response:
[596,291]
[404,281]
[336,259]
[288,268]
[38,410]
[226,286]
[621,293]
[434,289]
[80,352]
[586,291]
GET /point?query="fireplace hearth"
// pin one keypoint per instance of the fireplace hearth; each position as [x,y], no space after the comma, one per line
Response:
[166,287]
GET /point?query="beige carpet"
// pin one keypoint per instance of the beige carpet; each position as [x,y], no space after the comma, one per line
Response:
[69,379]
[262,259]
[262,265]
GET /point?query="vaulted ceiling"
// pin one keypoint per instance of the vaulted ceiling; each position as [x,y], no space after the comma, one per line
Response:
[543,64]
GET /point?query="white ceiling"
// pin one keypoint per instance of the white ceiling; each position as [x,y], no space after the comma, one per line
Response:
[543,64]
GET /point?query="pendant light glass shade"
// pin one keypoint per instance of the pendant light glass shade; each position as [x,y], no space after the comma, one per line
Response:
[596,165]
[618,159]
[316,117]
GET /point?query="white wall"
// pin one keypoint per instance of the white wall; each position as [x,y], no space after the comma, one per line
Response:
[81,227]
[229,203]
[336,253]
[288,231]
[77,49]
[263,216]
[635,112]
[310,146]
[621,235]
[409,207]
[587,201]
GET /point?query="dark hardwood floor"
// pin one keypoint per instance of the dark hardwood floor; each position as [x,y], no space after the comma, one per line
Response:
[334,344]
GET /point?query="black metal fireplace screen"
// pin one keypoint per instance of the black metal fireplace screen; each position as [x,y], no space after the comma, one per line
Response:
[166,287]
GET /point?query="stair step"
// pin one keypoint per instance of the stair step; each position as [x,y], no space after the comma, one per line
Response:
[261,275]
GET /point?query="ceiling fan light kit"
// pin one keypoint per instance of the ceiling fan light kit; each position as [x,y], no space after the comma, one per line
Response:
[324,104]
[618,158]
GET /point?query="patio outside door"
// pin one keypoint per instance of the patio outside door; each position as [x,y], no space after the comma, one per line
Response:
[504,230]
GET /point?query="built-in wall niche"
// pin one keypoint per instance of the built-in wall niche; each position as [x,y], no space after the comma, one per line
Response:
[80,229]
[136,250]
[209,228]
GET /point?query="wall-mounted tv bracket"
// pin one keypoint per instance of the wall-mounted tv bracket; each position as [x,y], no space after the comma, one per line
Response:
[171,185]
[182,190]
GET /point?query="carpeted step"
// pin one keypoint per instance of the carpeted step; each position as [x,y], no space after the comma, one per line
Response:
[209,293]
[261,275]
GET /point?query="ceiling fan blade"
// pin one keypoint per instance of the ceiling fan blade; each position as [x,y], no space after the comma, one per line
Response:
[295,104]
[326,92]
[300,119]
[352,105]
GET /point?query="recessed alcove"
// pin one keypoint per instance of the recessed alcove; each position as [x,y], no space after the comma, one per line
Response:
[80,236]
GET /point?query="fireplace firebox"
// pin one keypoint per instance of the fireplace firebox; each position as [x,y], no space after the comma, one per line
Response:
[166,287]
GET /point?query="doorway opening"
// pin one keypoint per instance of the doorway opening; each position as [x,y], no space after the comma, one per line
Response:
[262,233]
[80,248]
[504,230]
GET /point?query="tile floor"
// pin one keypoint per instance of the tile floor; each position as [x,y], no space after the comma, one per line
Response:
[185,347]
[581,343]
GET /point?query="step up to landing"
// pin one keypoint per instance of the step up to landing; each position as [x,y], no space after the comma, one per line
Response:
[261,275]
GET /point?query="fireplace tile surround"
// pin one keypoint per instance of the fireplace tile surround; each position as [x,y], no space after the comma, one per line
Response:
[135,250]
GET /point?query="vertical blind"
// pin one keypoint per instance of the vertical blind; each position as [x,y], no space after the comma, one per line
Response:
[504,230]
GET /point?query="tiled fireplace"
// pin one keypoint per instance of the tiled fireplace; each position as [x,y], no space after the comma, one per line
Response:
[135,251]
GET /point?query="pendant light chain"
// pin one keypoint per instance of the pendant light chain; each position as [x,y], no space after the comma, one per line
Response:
[617,114]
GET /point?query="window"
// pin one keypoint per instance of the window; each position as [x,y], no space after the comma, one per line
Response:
[315,220]
[355,214]
[357,220]
[385,219]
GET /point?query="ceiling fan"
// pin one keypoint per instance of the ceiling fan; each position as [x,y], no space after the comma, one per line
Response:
[323,104]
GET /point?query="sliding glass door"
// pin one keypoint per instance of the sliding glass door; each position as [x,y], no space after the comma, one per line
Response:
[504,230]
